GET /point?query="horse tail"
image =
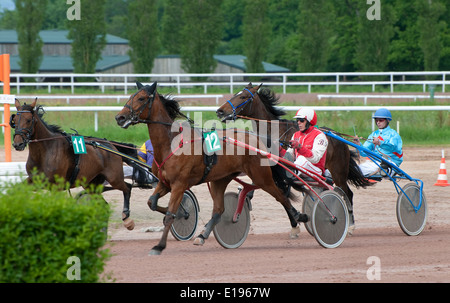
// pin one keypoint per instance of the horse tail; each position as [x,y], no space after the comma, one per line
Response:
[355,176]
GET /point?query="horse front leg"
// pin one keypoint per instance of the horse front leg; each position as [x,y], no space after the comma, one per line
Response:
[174,202]
[160,191]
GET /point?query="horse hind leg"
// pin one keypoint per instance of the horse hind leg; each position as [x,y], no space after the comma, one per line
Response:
[127,221]
[125,188]
[201,238]
[217,191]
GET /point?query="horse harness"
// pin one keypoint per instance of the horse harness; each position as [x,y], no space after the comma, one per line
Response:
[242,105]
[208,160]
[26,134]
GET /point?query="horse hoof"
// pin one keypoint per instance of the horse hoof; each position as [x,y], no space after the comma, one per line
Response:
[295,232]
[154,252]
[199,241]
[351,229]
[128,223]
[303,218]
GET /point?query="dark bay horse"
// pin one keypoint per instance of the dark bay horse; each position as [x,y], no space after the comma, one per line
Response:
[260,104]
[51,152]
[180,164]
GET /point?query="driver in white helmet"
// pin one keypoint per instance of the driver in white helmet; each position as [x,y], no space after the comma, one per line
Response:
[309,144]
[385,141]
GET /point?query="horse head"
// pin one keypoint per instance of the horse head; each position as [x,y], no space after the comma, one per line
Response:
[238,104]
[23,122]
[137,105]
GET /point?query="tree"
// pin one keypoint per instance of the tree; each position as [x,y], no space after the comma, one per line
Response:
[171,26]
[283,46]
[314,34]
[373,38]
[88,35]
[430,29]
[405,53]
[256,33]
[30,15]
[343,36]
[201,34]
[233,15]
[143,34]
[55,15]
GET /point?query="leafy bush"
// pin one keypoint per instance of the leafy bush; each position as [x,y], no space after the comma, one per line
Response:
[48,236]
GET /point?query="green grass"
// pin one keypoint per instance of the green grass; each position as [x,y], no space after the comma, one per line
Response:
[40,90]
[416,127]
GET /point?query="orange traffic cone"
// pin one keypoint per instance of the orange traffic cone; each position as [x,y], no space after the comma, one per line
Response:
[442,178]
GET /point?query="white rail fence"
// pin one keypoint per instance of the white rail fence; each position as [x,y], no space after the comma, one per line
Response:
[336,80]
[366,97]
[12,172]
[118,98]
[189,109]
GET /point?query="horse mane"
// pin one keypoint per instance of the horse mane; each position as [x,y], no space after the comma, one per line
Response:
[40,113]
[270,100]
[172,106]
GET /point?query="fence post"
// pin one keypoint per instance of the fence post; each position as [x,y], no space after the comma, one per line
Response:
[4,77]
[337,83]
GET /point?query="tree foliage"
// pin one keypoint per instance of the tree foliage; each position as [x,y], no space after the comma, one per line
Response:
[321,35]
[314,34]
[88,35]
[200,35]
[30,15]
[256,33]
[143,34]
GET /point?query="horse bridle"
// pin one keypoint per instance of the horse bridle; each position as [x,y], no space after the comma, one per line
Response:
[26,136]
[134,115]
[242,105]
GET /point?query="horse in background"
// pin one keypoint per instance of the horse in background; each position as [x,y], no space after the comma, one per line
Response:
[260,104]
[51,153]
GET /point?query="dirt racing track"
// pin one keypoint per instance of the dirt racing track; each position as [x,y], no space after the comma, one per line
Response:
[378,250]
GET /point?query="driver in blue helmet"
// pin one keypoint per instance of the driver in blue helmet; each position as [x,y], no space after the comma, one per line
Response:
[385,141]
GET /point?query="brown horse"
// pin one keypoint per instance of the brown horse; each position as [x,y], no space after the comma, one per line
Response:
[179,159]
[259,104]
[51,152]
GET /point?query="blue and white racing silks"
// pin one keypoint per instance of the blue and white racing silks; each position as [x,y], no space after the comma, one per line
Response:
[390,147]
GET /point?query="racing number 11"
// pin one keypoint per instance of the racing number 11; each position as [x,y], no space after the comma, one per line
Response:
[78,145]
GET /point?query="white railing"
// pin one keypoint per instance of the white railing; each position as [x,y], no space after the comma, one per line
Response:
[189,109]
[366,97]
[118,98]
[336,80]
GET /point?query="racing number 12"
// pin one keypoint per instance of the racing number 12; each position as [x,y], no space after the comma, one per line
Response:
[212,141]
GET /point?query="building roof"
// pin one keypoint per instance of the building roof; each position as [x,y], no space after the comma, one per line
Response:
[63,64]
[53,37]
[238,61]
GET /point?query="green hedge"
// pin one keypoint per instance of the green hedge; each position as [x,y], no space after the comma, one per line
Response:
[48,236]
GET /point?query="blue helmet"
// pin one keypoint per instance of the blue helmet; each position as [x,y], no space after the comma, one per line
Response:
[383,113]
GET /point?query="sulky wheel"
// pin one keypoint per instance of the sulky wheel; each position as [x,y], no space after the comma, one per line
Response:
[411,221]
[185,224]
[231,234]
[309,200]
[329,220]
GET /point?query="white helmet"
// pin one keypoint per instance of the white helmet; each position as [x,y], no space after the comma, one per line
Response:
[307,113]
